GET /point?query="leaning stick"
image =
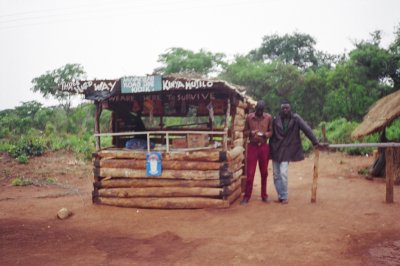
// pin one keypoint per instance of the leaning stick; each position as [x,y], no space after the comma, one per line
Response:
[315,177]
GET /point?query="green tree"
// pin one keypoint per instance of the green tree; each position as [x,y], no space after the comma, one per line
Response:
[309,99]
[47,84]
[394,62]
[295,49]
[179,60]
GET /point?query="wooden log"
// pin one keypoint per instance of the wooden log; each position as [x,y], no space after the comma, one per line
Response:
[208,156]
[152,182]
[235,152]
[237,135]
[238,123]
[315,177]
[122,153]
[235,167]
[166,174]
[239,128]
[237,174]
[170,165]
[165,203]
[213,155]
[234,196]
[240,111]
[389,168]
[241,105]
[161,192]
[232,187]
[238,142]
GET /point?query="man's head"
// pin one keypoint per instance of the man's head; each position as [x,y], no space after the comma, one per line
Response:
[286,109]
[260,108]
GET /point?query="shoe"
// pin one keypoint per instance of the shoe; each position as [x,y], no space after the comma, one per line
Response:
[266,200]
[284,201]
[244,201]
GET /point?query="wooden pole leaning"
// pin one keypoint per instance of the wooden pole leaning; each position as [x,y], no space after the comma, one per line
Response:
[389,167]
[315,177]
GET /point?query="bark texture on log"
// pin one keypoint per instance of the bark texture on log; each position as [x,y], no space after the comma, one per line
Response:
[240,109]
[150,182]
[165,203]
[238,123]
[161,192]
[167,174]
[238,142]
[235,152]
[167,165]
[239,128]
[237,135]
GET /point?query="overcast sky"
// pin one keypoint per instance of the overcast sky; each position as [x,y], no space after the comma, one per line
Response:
[115,38]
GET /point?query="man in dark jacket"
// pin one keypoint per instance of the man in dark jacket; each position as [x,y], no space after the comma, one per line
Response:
[285,146]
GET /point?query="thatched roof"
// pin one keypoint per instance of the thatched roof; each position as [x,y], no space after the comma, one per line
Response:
[380,115]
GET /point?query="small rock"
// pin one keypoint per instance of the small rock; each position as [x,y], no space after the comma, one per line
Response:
[63,213]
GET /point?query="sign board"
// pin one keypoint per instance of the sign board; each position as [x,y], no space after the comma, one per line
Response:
[141,84]
[93,89]
[153,164]
[180,84]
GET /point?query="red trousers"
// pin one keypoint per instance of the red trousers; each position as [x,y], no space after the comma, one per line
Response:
[261,154]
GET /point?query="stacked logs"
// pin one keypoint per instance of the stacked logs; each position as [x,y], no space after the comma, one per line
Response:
[198,179]
[238,125]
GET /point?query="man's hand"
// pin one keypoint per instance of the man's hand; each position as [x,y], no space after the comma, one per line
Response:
[321,146]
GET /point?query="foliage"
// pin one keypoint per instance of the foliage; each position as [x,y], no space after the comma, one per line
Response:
[393,131]
[179,60]
[23,159]
[296,49]
[21,181]
[28,146]
[47,84]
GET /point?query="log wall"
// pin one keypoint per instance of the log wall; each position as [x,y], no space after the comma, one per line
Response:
[198,179]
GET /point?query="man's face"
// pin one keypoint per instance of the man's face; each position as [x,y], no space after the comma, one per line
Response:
[259,111]
[285,108]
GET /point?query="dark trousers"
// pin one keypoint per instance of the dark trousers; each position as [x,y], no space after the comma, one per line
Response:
[261,154]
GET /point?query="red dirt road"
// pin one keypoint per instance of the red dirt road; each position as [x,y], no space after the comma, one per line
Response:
[349,225]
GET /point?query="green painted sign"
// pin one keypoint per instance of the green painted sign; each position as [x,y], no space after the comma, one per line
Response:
[141,84]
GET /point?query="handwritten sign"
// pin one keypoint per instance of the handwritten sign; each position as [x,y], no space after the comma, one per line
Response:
[82,86]
[141,84]
[186,84]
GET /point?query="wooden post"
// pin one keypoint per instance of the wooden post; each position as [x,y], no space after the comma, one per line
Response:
[97,124]
[389,174]
[315,177]
[228,111]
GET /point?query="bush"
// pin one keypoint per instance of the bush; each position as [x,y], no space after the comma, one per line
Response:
[21,181]
[5,146]
[23,159]
[28,146]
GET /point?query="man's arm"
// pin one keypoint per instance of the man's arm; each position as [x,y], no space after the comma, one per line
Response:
[269,132]
[307,130]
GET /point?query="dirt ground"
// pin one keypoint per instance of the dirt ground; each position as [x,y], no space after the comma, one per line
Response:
[350,224]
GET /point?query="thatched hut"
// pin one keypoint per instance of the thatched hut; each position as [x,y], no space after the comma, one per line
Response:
[177,141]
[380,116]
